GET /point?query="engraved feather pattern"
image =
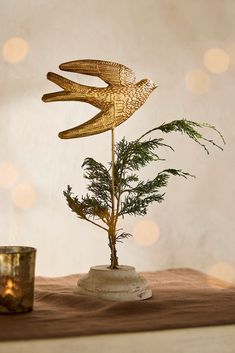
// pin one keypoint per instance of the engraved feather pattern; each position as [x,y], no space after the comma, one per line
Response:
[117,102]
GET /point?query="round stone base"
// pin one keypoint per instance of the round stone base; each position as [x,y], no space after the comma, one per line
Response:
[122,284]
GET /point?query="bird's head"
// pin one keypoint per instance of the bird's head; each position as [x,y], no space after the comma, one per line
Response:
[149,84]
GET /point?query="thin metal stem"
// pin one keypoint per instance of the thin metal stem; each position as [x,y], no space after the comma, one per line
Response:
[112,227]
[113,161]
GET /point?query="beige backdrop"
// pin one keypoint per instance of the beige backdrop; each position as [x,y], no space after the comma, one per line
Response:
[169,41]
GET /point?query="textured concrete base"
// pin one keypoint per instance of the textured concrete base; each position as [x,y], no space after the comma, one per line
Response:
[123,284]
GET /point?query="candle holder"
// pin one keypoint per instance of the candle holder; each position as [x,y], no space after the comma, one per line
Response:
[17,266]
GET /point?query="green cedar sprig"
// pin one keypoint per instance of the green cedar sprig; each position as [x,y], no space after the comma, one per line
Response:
[133,196]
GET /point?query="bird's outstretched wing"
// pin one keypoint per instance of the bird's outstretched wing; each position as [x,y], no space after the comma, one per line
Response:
[101,122]
[66,84]
[62,82]
[110,72]
[72,90]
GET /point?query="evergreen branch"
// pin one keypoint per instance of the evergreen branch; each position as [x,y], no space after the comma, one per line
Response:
[96,224]
[210,127]
[159,181]
[144,193]
[85,209]
[188,127]
[132,156]
[177,172]
[98,175]
[133,195]
[136,154]
[122,236]
[138,206]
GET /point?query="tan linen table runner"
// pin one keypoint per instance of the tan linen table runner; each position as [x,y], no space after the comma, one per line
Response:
[181,298]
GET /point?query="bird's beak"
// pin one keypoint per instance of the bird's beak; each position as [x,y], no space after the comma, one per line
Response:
[155,85]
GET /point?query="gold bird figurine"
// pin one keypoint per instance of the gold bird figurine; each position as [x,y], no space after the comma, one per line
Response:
[117,102]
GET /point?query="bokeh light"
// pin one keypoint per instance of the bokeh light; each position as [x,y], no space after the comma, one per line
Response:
[224,271]
[146,233]
[231,52]
[23,195]
[8,175]
[197,81]
[15,50]
[216,60]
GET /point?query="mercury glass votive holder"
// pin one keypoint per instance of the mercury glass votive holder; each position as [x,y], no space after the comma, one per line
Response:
[17,267]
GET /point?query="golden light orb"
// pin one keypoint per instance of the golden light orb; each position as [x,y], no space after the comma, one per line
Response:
[231,52]
[146,233]
[216,60]
[15,50]
[8,175]
[223,271]
[197,81]
[23,195]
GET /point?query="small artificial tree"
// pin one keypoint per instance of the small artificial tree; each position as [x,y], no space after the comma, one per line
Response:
[116,191]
